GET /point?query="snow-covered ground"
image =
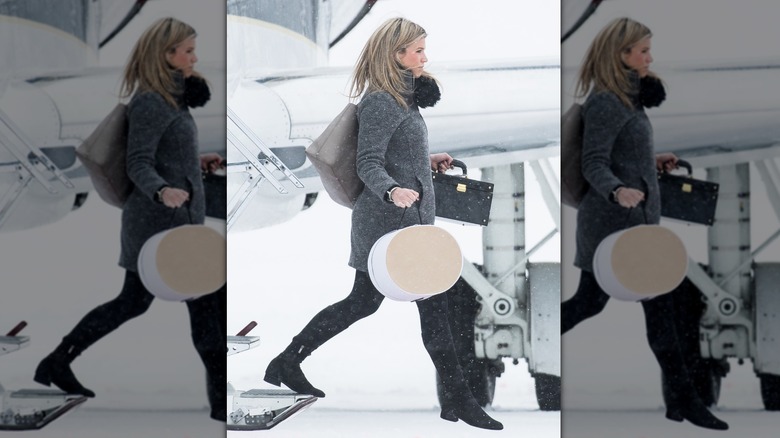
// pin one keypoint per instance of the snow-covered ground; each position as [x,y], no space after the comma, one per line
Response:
[405,423]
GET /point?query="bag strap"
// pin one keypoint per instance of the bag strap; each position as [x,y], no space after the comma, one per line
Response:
[173,215]
[628,216]
[419,214]
[189,213]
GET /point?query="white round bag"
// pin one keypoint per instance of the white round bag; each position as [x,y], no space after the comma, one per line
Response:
[640,262]
[415,263]
[183,263]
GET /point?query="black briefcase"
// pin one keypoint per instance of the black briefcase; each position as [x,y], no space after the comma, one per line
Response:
[687,199]
[462,199]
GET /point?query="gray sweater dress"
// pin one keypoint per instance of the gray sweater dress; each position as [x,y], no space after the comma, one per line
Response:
[162,149]
[392,151]
[617,150]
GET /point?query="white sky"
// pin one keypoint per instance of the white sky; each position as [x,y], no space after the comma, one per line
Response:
[457,30]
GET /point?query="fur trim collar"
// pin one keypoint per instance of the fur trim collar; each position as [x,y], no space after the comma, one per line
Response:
[651,92]
[196,92]
[426,92]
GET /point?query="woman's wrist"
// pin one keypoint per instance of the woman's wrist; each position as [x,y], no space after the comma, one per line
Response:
[616,192]
[158,195]
[390,194]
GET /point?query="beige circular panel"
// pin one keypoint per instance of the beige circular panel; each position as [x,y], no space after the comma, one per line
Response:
[649,260]
[424,260]
[191,260]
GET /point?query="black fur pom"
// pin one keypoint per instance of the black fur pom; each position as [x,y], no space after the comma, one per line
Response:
[651,92]
[196,92]
[426,92]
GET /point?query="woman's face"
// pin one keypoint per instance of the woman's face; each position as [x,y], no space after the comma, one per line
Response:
[639,57]
[183,58]
[413,58]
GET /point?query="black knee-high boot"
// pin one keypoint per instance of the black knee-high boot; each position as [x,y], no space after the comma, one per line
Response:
[458,401]
[683,402]
[54,369]
[285,368]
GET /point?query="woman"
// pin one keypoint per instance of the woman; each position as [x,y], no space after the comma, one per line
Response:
[394,163]
[620,166]
[164,166]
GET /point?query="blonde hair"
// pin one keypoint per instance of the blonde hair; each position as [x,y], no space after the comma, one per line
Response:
[378,67]
[147,68]
[603,68]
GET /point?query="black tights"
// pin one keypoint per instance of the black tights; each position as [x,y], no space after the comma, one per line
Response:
[207,315]
[660,324]
[363,301]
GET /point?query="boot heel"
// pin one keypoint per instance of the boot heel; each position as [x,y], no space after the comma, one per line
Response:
[674,415]
[43,375]
[290,374]
[273,374]
[472,414]
[448,415]
[49,374]
[273,379]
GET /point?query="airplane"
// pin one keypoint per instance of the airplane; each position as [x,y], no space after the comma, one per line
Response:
[281,95]
[720,115]
[53,93]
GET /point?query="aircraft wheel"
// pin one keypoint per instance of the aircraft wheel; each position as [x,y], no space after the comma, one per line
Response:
[548,392]
[770,391]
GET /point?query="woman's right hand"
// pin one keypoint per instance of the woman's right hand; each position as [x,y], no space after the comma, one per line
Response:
[404,197]
[628,197]
[173,197]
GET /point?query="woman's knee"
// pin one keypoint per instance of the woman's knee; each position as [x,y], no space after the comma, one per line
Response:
[135,300]
[590,299]
[365,299]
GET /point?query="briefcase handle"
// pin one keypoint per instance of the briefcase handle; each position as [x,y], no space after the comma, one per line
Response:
[684,164]
[462,166]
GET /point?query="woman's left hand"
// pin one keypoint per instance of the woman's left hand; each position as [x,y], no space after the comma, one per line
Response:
[666,162]
[441,162]
[210,162]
